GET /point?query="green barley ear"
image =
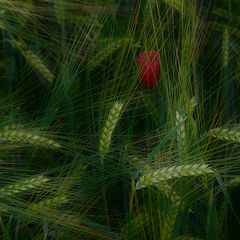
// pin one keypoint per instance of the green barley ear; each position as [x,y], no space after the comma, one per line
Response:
[192,104]
[13,127]
[140,166]
[2,25]
[43,207]
[166,173]
[109,127]
[176,206]
[235,182]
[20,136]
[59,10]
[181,135]
[170,193]
[225,47]
[22,186]
[173,212]
[46,204]
[51,202]
[225,134]
[169,222]
[137,165]
[34,60]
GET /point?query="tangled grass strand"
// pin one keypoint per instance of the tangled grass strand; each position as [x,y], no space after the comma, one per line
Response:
[109,126]
[107,50]
[151,108]
[167,173]
[177,4]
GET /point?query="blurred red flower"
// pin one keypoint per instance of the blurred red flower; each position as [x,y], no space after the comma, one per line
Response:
[149,65]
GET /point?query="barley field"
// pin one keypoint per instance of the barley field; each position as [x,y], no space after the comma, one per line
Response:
[120,119]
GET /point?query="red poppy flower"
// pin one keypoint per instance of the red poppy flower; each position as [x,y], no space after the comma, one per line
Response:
[149,65]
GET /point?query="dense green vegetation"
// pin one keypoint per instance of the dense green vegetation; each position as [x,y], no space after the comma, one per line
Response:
[89,149]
